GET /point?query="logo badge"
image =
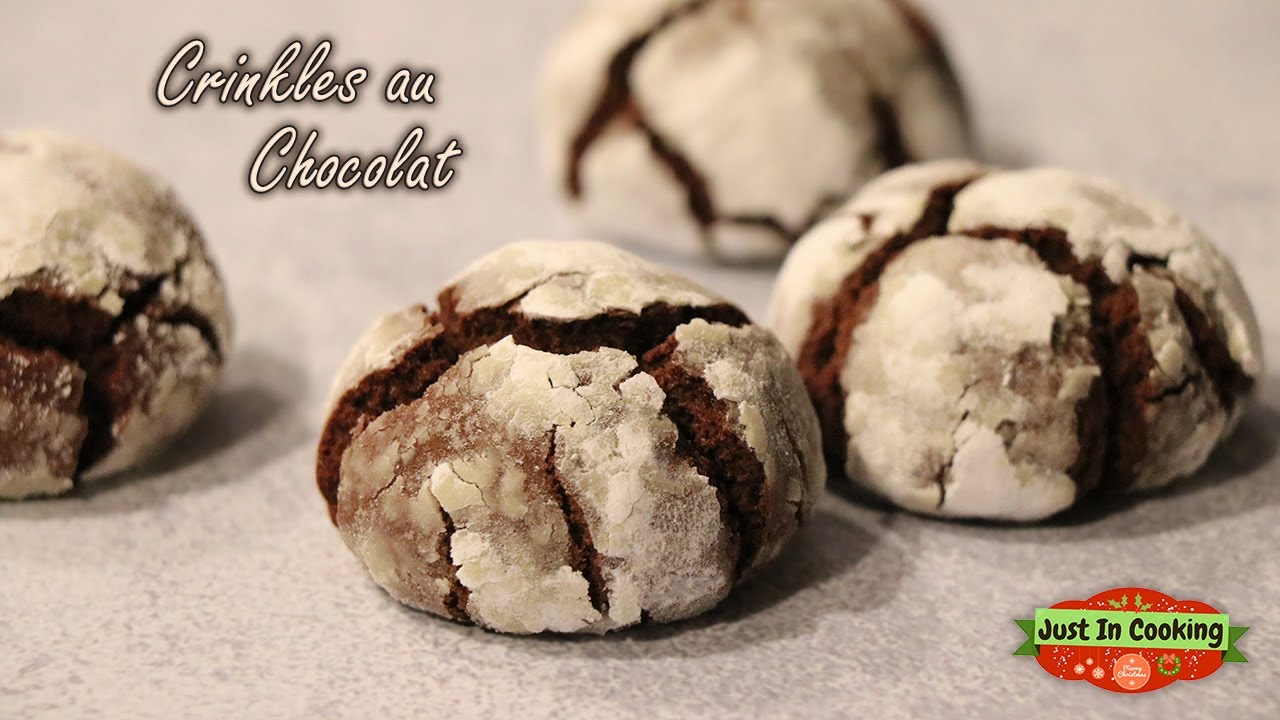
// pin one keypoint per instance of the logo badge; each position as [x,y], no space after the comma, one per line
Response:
[1130,640]
[1131,672]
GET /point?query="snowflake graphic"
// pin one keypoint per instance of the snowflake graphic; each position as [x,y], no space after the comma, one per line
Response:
[1089,661]
[1098,674]
[1079,669]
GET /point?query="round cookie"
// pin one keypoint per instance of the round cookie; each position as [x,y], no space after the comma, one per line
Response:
[576,441]
[994,344]
[734,125]
[113,320]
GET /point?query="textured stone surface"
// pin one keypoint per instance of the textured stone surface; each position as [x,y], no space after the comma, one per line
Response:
[216,587]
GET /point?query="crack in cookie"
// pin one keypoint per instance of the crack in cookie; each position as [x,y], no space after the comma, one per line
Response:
[1229,379]
[709,441]
[39,316]
[455,601]
[616,100]
[822,356]
[890,145]
[586,559]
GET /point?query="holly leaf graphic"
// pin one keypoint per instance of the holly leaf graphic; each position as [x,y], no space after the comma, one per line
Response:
[1124,601]
[1137,601]
[1115,604]
[1146,607]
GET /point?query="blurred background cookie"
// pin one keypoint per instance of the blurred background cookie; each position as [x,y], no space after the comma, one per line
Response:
[734,126]
[576,441]
[113,320]
[987,343]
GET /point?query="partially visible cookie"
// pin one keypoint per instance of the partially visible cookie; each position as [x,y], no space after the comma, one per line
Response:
[576,441]
[731,126]
[987,343]
[113,320]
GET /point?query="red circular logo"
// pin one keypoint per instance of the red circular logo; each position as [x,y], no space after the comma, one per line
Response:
[1131,671]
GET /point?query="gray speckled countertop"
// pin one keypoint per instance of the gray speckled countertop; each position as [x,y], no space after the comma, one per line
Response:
[211,585]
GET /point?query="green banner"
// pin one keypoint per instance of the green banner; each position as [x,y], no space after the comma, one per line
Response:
[1029,647]
[1233,653]
[1121,628]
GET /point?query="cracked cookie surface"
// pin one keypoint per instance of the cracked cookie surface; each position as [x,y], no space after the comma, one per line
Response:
[113,320]
[996,344]
[734,125]
[576,441]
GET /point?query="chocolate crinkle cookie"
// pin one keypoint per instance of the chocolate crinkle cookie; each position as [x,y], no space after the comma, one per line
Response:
[734,125]
[576,441]
[113,320]
[995,344]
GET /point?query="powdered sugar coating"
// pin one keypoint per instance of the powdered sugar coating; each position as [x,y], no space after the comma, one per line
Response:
[567,280]
[945,308]
[733,124]
[528,489]
[86,236]
[962,383]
